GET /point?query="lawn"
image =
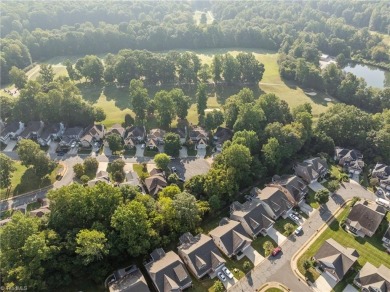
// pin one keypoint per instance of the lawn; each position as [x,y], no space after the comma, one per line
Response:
[150,153]
[279,225]
[369,249]
[236,267]
[139,169]
[257,244]
[24,180]
[273,290]
[116,103]
[130,152]
[310,199]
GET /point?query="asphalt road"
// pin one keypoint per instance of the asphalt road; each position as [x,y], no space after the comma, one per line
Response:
[279,269]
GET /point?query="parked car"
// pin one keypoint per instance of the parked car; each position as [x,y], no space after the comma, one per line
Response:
[60,154]
[380,192]
[174,169]
[296,214]
[221,276]
[143,146]
[73,144]
[227,272]
[298,230]
[276,251]
[294,218]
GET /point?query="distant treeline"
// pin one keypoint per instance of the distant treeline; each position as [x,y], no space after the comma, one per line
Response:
[36,31]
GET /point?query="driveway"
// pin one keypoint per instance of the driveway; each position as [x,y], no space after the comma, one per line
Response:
[139,151]
[316,186]
[189,167]
[106,150]
[276,236]
[355,177]
[201,153]
[10,146]
[229,282]
[102,166]
[306,208]
[350,288]
[52,147]
[324,283]
[253,255]
[183,152]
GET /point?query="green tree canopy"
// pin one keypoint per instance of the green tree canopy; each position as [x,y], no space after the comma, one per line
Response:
[172,144]
[162,160]
[91,245]
[18,77]
[7,166]
[115,142]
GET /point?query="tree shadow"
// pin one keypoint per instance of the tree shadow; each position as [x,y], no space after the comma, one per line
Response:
[90,92]
[30,181]
[120,95]
[224,91]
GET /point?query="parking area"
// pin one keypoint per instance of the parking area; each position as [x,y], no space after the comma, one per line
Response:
[139,152]
[324,283]
[201,153]
[276,236]
[190,167]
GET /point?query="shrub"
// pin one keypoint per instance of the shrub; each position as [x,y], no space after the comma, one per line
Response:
[246,266]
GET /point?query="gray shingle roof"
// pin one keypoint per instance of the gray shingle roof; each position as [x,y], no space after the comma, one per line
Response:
[371,277]
[362,216]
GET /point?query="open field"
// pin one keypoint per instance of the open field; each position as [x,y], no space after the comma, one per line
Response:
[369,249]
[116,103]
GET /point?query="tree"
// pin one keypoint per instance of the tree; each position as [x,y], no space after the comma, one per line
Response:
[46,73]
[162,160]
[218,286]
[7,166]
[169,191]
[268,247]
[129,192]
[322,196]
[333,186]
[18,77]
[275,109]
[84,179]
[201,98]
[91,67]
[165,108]
[272,153]
[172,144]
[78,169]
[250,117]
[217,68]
[248,139]
[99,114]
[246,266]
[115,142]
[90,166]
[187,212]
[91,245]
[231,69]
[132,223]
[288,228]
[117,165]
[139,99]
[204,73]
[307,264]
[129,121]
[214,202]
[195,185]
[181,101]
[173,178]
[213,119]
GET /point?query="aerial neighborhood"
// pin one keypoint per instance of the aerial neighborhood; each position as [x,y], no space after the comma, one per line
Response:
[200,146]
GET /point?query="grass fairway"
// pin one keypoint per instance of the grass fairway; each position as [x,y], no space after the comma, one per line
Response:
[369,249]
[115,101]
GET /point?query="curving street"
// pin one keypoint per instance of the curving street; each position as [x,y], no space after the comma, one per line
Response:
[279,269]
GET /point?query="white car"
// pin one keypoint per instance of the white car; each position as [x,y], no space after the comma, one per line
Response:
[73,145]
[143,146]
[298,230]
[221,276]
[227,272]
[294,218]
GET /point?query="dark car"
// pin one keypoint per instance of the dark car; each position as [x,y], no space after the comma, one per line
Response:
[276,251]
[60,154]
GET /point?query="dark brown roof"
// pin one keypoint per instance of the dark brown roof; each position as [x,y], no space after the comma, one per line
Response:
[295,185]
[155,183]
[131,282]
[9,128]
[311,168]
[167,271]
[277,198]
[364,217]
[135,132]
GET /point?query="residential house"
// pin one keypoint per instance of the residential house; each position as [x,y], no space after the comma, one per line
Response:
[50,133]
[155,183]
[230,237]
[70,135]
[167,271]
[293,184]
[92,134]
[117,129]
[101,176]
[10,131]
[222,135]
[182,132]
[199,137]
[135,135]
[277,201]
[351,160]
[155,138]
[32,130]
[386,239]
[200,254]
[129,279]
[131,178]
[382,172]
[364,219]
[40,212]
[252,216]
[311,169]
[335,259]
[373,279]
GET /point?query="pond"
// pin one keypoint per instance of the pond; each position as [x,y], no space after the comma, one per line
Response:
[374,76]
